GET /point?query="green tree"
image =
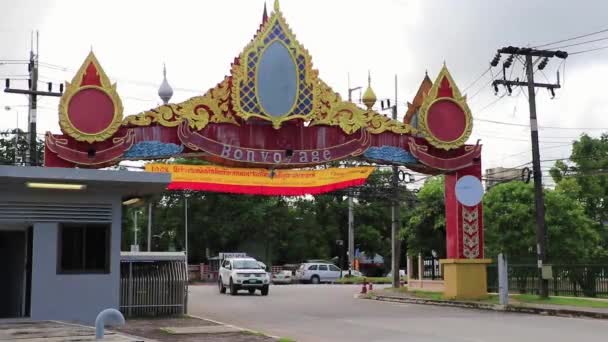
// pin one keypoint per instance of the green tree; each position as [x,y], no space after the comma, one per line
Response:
[424,229]
[15,152]
[509,220]
[509,227]
[584,177]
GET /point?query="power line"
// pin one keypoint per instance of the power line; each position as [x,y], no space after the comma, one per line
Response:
[480,89]
[477,79]
[572,38]
[492,79]
[491,103]
[119,79]
[581,43]
[590,50]
[542,127]
[524,140]
[527,151]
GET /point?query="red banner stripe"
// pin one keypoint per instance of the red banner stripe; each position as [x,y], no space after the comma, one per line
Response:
[265,190]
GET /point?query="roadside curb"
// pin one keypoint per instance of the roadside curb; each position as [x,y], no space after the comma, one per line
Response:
[491,307]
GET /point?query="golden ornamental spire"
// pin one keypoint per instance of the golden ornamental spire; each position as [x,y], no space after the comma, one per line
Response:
[369,97]
[276,5]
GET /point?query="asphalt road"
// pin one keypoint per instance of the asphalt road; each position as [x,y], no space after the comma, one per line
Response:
[317,313]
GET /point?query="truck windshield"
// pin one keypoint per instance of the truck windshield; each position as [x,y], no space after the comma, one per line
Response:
[245,264]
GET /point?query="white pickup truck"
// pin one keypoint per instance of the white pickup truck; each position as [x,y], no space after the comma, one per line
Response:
[243,274]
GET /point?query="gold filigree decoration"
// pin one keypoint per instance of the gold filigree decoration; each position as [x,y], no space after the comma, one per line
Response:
[379,124]
[97,79]
[199,111]
[456,98]
[332,111]
[245,99]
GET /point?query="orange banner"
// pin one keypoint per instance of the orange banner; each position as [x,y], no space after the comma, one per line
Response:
[261,181]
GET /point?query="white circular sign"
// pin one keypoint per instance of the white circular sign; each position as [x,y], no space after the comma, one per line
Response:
[469,191]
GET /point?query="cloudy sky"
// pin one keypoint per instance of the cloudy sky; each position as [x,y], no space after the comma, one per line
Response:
[198,40]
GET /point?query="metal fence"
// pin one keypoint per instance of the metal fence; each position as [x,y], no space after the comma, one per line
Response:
[431,269]
[584,280]
[156,288]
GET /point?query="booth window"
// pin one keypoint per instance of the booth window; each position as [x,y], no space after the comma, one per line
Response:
[84,248]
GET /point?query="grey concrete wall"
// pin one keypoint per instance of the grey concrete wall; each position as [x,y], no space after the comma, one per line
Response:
[77,297]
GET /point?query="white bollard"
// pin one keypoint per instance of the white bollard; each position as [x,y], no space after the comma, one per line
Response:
[110,317]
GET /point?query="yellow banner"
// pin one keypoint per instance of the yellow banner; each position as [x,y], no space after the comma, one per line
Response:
[260,181]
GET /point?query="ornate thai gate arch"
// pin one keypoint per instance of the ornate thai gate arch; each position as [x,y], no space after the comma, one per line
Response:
[273,111]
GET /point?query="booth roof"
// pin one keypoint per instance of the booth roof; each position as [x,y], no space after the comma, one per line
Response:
[125,183]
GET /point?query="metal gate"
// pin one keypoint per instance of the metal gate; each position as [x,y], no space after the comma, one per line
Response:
[153,284]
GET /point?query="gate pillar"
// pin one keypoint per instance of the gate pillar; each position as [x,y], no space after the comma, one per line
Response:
[464,270]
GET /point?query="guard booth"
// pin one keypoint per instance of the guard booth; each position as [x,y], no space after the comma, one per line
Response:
[153,284]
[60,231]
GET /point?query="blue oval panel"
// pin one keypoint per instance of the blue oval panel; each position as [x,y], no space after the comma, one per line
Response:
[276,80]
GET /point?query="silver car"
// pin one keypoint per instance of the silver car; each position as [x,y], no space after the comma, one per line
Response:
[317,273]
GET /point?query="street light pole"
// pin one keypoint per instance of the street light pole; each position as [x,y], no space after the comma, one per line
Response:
[186,225]
[395,219]
[150,226]
[135,229]
[351,233]
[351,217]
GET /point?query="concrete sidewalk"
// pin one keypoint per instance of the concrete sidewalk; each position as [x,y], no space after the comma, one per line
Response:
[514,306]
[25,330]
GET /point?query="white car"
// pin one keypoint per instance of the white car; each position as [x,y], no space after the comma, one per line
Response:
[243,274]
[353,273]
[282,277]
[317,272]
[402,274]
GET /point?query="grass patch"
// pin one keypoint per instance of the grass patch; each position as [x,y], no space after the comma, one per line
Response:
[359,280]
[491,299]
[571,301]
[418,293]
[426,294]
[286,339]
[401,289]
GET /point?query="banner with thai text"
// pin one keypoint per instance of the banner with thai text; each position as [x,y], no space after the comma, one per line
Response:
[261,181]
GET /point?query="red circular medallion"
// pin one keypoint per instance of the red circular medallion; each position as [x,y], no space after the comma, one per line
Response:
[91,111]
[446,121]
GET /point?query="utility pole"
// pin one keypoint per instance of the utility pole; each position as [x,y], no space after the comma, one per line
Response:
[542,56]
[351,220]
[33,93]
[395,219]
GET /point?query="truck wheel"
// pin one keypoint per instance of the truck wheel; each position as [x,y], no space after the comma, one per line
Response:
[232,288]
[315,279]
[221,286]
[265,290]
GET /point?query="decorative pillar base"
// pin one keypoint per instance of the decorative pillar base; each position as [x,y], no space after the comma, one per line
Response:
[465,278]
